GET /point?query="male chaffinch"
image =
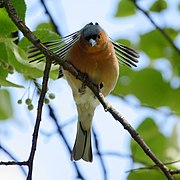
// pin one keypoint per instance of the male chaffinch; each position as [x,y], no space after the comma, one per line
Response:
[91,51]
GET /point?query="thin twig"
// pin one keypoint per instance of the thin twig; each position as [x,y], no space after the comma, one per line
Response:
[14,162]
[153,166]
[67,66]
[68,122]
[157,27]
[50,17]
[38,118]
[7,163]
[175,171]
[99,154]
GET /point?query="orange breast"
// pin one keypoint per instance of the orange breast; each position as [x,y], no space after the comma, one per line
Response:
[100,67]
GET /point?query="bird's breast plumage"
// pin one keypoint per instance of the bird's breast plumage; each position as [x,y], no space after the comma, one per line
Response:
[101,66]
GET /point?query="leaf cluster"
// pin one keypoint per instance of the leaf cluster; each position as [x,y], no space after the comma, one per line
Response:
[153,85]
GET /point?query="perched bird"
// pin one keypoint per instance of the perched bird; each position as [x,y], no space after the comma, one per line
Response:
[92,52]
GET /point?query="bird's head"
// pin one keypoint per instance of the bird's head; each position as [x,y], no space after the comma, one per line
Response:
[93,38]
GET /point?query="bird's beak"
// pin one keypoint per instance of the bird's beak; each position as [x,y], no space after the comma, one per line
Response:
[92,42]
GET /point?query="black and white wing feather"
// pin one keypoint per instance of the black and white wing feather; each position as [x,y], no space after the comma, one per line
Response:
[59,47]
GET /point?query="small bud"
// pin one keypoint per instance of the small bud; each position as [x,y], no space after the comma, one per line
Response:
[19,101]
[28,101]
[30,107]
[46,100]
[51,95]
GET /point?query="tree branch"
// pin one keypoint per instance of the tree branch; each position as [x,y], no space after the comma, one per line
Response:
[67,66]
[38,117]
[175,171]
[14,162]
[99,154]
[50,17]
[157,27]
[23,163]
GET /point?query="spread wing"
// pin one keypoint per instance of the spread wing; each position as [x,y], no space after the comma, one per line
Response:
[60,47]
[126,55]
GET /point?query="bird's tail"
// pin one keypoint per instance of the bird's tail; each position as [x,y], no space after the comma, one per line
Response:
[82,147]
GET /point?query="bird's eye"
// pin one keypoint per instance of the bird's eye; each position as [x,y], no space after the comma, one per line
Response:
[96,23]
[90,23]
[98,36]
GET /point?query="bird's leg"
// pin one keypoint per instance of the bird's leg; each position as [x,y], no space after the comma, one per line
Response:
[60,74]
[82,89]
[101,85]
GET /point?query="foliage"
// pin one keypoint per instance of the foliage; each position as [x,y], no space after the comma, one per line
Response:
[14,57]
[153,89]
[147,84]
[158,6]
[5,105]
[125,8]
[159,144]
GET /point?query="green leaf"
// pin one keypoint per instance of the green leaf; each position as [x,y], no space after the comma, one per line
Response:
[154,44]
[148,174]
[17,57]
[11,56]
[124,42]
[172,33]
[3,54]
[165,148]
[149,87]
[7,26]
[6,110]
[20,7]
[3,72]
[158,6]
[45,26]
[6,83]
[175,62]
[3,75]
[45,36]
[173,150]
[125,8]
[149,131]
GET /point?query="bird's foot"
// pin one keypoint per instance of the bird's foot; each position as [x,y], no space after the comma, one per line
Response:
[82,89]
[99,86]
[60,74]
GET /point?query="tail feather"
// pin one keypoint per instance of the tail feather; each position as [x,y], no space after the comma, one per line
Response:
[82,147]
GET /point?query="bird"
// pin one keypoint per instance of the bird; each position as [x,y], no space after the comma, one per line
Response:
[91,51]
